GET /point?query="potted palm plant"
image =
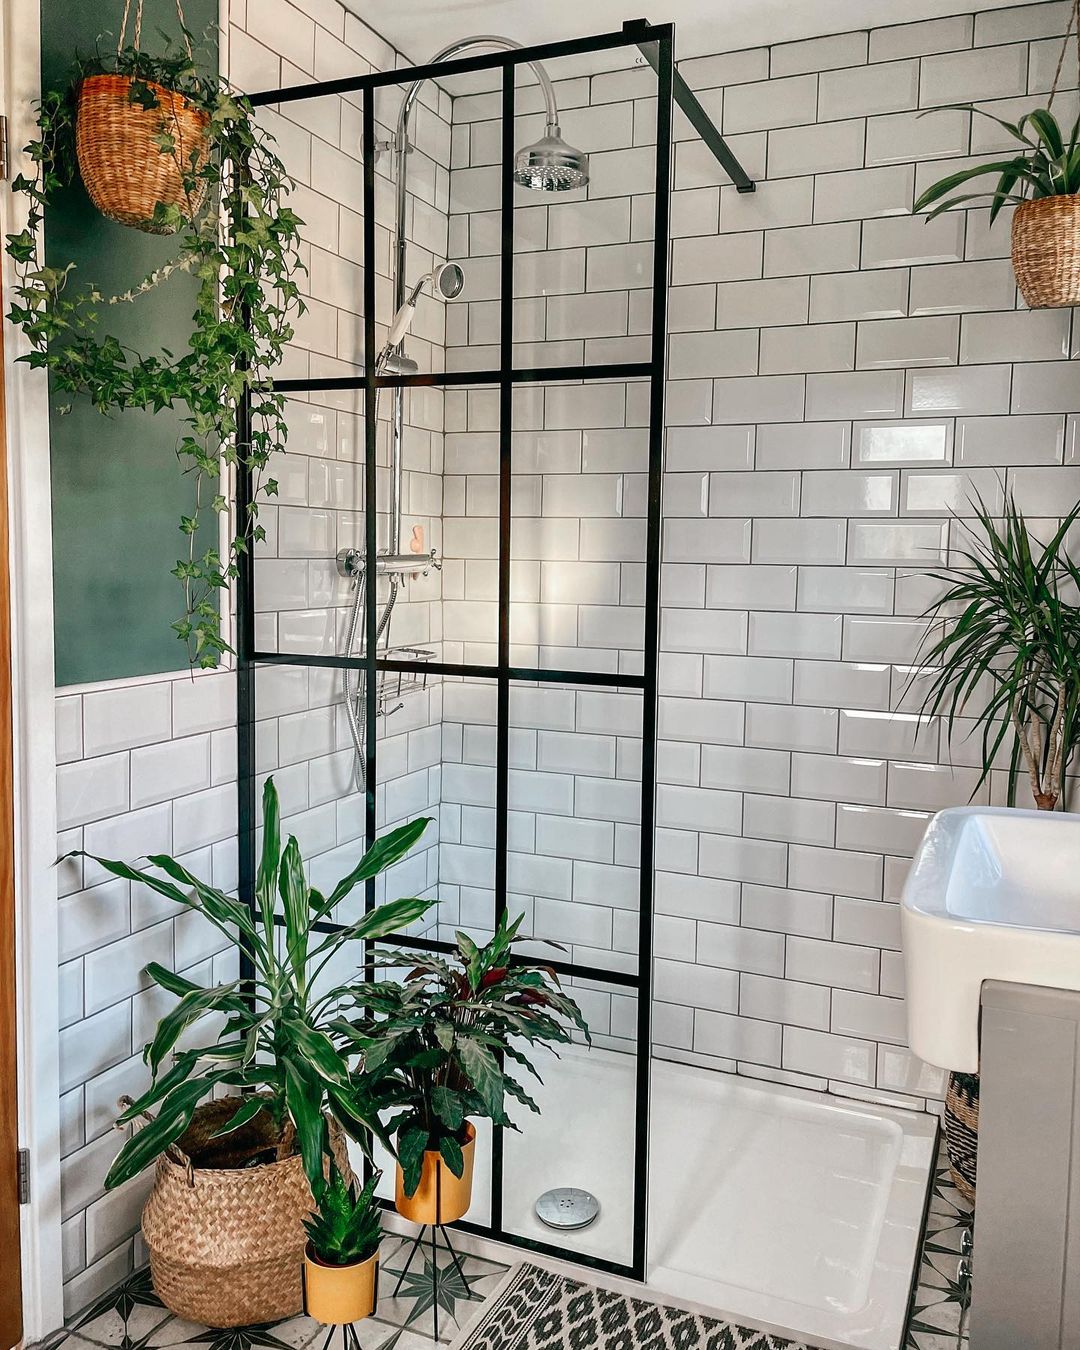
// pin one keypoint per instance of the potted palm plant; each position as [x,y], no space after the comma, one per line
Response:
[1042,179]
[1003,648]
[234,1173]
[341,1260]
[435,1052]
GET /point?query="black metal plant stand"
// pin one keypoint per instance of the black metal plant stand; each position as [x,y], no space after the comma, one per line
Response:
[436,1275]
[349,1338]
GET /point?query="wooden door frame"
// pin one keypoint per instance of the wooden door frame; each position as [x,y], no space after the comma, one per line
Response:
[33,725]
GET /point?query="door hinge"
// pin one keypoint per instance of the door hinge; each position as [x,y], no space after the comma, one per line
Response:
[23,1168]
[5,158]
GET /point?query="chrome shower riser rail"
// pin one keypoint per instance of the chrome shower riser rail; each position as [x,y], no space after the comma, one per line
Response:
[502,674]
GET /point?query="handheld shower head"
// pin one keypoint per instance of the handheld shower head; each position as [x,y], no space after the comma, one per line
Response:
[448,279]
[550,165]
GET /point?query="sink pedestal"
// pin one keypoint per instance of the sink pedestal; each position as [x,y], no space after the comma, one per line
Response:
[1025,1290]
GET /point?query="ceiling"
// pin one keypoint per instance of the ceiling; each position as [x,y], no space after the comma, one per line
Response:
[419,28]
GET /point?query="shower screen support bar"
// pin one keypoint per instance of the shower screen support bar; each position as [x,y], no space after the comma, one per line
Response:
[690,104]
[506,379]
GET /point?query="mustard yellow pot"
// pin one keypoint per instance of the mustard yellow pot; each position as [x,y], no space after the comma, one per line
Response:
[335,1295]
[441,1197]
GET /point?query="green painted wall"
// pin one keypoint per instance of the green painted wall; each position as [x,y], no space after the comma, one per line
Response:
[117,489]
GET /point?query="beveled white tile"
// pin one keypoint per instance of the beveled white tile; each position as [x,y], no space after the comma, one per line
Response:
[960,391]
[908,342]
[913,241]
[903,442]
[775,300]
[806,249]
[861,91]
[984,73]
[963,287]
[826,147]
[902,138]
[854,395]
[859,295]
[803,445]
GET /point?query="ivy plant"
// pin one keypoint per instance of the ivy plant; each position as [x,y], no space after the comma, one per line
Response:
[242,246]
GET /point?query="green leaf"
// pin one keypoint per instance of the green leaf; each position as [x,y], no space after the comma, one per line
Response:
[292,887]
[170,1123]
[412,1143]
[248,1111]
[191,1007]
[383,852]
[448,1107]
[304,1099]
[452,1154]
[484,1073]
[271,851]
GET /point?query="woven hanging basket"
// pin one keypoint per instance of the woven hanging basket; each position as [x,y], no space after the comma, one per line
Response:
[962,1131]
[124,170]
[227,1243]
[1046,251]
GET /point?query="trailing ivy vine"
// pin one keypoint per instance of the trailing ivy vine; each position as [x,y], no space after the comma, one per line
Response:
[243,248]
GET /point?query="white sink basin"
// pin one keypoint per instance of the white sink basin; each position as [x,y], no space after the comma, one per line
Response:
[993,894]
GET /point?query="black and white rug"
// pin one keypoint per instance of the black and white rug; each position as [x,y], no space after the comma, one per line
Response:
[539,1310]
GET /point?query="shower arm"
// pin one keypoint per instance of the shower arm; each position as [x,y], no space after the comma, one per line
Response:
[401,135]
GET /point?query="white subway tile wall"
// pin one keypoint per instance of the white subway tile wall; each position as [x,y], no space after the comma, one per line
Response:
[843,378]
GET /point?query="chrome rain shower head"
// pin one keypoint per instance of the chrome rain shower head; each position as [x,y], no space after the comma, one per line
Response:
[550,165]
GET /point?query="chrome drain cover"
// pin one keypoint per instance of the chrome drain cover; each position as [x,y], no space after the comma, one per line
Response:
[567,1207]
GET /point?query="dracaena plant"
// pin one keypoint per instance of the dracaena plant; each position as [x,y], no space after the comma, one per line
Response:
[1047,164]
[1003,648]
[439,1046]
[345,1228]
[277,1038]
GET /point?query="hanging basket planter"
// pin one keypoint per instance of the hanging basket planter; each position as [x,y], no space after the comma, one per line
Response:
[119,129]
[1046,251]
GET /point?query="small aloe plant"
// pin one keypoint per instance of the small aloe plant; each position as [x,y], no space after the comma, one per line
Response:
[1048,165]
[345,1228]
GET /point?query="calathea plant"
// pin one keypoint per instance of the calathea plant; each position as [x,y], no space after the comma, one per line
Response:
[439,1046]
[243,246]
[280,1035]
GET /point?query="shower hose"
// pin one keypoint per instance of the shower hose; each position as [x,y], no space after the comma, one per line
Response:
[354,693]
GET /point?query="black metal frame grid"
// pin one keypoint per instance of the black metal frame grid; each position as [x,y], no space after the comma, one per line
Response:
[657,42]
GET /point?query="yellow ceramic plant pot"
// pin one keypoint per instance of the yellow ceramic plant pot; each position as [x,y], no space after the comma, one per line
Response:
[335,1295]
[440,1197]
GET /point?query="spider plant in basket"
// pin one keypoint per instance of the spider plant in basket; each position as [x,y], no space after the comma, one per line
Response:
[1003,649]
[1042,180]
[235,1173]
[436,1049]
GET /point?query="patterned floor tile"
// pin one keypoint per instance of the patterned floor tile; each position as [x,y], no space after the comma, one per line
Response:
[131,1317]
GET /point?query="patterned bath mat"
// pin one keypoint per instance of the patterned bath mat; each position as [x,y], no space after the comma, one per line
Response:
[539,1310]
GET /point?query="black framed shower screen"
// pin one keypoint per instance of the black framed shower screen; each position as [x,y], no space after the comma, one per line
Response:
[657,43]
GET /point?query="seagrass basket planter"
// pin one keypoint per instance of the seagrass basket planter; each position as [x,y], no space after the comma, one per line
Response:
[125,171]
[961,1121]
[1046,251]
[226,1242]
